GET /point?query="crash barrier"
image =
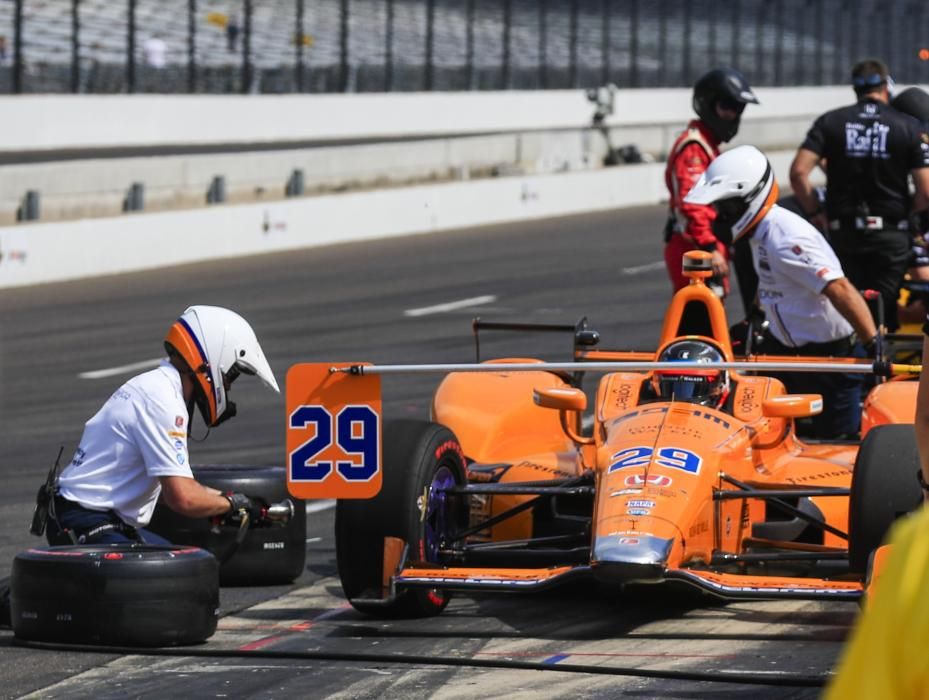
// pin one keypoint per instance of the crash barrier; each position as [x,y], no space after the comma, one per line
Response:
[50,252]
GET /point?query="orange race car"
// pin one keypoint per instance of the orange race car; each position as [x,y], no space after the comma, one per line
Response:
[692,471]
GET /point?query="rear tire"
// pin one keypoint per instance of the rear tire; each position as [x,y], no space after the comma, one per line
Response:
[267,555]
[419,458]
[119,594]
[884,487]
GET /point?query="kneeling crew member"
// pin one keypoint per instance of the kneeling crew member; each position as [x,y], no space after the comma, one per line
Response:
[811,306]
[135,448]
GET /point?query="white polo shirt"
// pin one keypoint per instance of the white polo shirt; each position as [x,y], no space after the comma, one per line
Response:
[794,263]
[138,435]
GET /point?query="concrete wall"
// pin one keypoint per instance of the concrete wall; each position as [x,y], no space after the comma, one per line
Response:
[44,122]
[544,137]
[70,250]
[454,136]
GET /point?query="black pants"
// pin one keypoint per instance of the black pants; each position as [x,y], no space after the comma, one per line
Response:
[875,260]
[841,416]
[93,527]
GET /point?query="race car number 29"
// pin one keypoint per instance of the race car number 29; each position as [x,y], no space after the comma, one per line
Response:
[333,433]
[671,457]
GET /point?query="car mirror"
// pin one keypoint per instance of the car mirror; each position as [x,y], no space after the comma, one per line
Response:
[792,406]
[565,399]
[562,398]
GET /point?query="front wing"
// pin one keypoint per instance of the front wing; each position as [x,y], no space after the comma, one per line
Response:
[724,585]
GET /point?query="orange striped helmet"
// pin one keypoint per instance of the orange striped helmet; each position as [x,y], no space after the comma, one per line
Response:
[217,345]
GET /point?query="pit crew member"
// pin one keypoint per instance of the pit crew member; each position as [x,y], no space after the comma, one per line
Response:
[811,306]
[719,98]
[869,148]
[135,448]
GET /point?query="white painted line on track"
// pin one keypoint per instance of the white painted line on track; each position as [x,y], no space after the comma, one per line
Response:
[649,267]
[451,306]
[124,369]
[319,506]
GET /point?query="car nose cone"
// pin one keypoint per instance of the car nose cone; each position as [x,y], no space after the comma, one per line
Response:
[631,558]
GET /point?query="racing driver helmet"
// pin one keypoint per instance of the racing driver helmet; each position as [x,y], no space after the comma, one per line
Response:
[741,187]
[707,387]
[728,88]
[217,345]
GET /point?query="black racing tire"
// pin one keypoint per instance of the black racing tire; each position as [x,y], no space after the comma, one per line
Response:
[415,454]
[272,554]
[884,487]
[118,594]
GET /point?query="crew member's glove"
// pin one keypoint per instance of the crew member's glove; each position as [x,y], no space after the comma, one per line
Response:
[239,503]
[870,347]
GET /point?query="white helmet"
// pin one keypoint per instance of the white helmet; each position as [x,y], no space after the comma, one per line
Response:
[741,187]
[217,345]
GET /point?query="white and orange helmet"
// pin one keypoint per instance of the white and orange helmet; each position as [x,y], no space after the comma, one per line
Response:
[217,345]
[741,187]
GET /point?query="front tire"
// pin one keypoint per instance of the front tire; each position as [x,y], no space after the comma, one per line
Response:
[884,487]
[420,460]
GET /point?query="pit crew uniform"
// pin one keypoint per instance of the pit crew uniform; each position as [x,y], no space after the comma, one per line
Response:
[690,226]
[869,149]
[886,654]
[794,264]
[108,492]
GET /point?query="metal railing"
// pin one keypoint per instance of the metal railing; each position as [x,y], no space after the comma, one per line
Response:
[280,46]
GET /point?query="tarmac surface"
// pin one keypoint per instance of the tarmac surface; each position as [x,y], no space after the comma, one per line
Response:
[353,303]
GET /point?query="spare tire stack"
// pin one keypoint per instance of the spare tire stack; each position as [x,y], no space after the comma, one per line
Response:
[116,594]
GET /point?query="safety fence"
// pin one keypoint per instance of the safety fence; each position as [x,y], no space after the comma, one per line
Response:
[281,46]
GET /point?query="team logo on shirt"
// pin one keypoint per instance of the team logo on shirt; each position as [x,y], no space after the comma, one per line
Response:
[822,272]
[179,421]
[866,141]
[797,250]
[180,458]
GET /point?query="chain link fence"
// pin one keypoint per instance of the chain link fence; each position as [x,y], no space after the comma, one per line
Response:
[282,46]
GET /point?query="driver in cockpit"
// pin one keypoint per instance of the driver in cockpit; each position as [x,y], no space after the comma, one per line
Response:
[707,387]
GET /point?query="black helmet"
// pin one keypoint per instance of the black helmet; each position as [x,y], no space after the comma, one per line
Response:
[915,102]
[707,387]
[725,86]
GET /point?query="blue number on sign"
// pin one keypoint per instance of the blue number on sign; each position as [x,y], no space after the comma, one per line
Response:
[671,457]
[676,458]
[302,467]
[356,433]
[364,443]
[631,457]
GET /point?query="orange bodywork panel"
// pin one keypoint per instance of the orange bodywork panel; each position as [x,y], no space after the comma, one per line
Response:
[890,402]
[493,415]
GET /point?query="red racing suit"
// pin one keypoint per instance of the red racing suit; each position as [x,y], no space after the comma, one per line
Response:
[690,225]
